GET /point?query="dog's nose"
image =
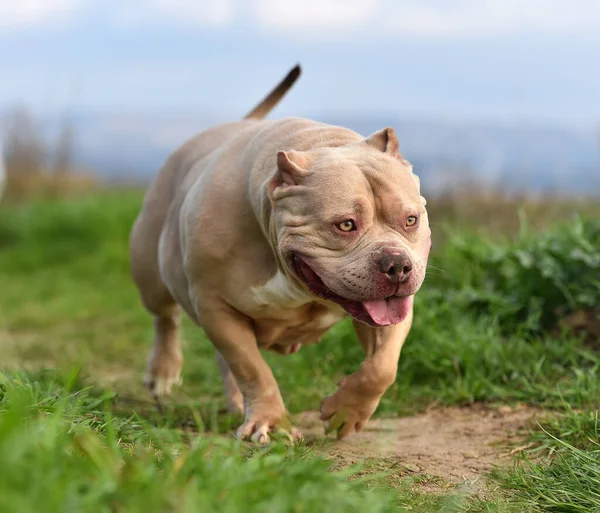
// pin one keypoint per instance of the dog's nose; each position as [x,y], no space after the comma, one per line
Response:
[397,268]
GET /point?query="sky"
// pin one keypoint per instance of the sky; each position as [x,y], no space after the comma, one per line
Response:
[493,60]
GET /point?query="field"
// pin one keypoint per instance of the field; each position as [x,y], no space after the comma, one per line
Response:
[495,407]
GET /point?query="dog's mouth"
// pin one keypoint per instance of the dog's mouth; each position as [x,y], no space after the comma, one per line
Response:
[377,312]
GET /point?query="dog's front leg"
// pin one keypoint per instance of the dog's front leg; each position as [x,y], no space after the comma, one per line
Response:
[233,336]
[358,395]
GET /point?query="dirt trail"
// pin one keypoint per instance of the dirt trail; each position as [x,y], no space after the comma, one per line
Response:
[457,444]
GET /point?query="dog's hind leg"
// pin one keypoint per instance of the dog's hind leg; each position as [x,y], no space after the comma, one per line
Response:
[165,361]
[163,369]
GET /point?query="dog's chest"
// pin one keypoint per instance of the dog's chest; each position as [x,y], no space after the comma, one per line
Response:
[284,313]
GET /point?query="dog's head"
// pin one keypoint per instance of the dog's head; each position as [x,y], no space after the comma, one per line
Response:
[351,225]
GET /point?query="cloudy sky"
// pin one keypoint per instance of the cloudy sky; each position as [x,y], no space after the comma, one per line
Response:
[471,59]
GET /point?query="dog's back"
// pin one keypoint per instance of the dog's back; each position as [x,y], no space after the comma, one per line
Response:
[162,193]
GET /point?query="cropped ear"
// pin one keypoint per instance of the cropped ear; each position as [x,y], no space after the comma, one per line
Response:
[291,170]
[385,141]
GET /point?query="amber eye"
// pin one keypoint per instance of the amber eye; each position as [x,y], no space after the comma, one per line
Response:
[347,226]
[411,220]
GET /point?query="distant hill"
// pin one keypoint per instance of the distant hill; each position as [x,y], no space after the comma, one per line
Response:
[537,158]
[533,157]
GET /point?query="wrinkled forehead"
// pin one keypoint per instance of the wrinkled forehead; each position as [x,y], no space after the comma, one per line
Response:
[352,181]
[395,188]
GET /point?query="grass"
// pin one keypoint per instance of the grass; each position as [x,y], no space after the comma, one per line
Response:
[68,451]
[487,329]
[70,454]
[565,475]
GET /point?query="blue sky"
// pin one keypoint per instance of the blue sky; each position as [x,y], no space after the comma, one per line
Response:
[462,59]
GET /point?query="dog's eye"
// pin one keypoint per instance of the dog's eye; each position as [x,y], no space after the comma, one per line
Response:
[347,226]
[411,220]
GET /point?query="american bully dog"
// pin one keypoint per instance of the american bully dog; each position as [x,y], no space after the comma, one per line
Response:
[266,234]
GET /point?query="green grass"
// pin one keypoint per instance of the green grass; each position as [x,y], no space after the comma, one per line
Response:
[565,472]
[68,451]
[65,452]
[530,283]
[486,330]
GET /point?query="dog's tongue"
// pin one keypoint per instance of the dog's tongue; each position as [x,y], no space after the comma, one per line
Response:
[388,311]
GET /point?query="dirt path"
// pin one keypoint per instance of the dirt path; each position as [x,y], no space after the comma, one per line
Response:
[457,444]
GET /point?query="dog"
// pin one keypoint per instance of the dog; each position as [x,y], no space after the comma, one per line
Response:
[266,234]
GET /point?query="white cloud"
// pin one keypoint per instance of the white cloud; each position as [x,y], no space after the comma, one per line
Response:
[17,14]
[323,18]
[205,13]
[432,18]
[308,15]
[212,12]
[491,17]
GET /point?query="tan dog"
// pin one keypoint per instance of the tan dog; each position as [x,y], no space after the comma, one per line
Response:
[267,233]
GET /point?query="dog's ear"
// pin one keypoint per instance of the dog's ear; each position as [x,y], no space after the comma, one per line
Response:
[291,167]
[385,140]
[291,170]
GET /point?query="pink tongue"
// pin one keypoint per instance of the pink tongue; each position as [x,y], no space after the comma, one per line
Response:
[388,311]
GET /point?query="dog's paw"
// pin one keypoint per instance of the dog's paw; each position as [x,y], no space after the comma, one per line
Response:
[163,373]
[346,411]
[261,422]
[161,386]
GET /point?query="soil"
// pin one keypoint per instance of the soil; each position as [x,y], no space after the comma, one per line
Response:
[456,444]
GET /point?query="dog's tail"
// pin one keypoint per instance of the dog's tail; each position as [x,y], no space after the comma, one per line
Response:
[273,98]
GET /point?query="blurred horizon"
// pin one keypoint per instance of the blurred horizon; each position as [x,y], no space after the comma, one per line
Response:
[489,87]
